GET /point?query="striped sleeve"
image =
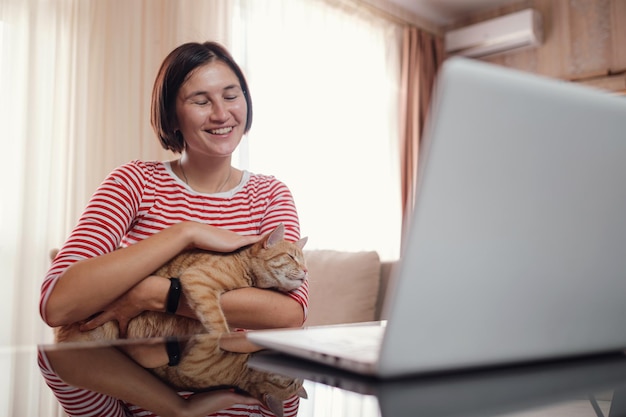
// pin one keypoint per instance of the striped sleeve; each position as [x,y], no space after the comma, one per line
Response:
[281,208]
[103,224]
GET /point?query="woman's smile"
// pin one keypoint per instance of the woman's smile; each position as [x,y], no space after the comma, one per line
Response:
[220,131]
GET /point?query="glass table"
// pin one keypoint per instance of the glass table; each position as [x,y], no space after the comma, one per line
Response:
[594,386]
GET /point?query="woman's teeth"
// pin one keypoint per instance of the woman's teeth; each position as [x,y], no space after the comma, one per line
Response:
[221,131]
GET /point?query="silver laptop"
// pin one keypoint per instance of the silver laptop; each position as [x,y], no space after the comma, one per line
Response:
[516,249]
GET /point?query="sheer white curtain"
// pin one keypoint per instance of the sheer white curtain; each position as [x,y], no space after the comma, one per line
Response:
[324,78]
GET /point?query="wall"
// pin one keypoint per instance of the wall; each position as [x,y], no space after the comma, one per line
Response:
[584,41]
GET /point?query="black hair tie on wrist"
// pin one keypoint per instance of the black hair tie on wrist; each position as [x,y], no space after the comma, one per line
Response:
[172,346]
[173,296]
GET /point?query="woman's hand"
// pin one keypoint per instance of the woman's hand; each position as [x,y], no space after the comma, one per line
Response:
[149,294]
[213,238]
[237,342]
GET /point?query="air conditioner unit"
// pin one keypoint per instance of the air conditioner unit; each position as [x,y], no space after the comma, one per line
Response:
[505,33]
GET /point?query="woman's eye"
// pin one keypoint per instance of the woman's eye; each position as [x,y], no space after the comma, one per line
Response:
[201,102]
[231,98]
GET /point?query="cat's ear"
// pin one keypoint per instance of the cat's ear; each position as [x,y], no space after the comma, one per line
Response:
[274,404]
[302,242]
[302,393]
[275,236]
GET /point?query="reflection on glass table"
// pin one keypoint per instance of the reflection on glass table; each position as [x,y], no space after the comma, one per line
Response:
[149,374]
[229,366]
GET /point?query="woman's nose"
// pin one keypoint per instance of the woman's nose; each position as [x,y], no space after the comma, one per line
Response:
[219,112]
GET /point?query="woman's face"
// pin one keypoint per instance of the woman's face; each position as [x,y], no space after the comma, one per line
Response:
[211,110]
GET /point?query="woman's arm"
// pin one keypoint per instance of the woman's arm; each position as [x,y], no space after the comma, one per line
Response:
[91,285]
[255,308]
[245,308]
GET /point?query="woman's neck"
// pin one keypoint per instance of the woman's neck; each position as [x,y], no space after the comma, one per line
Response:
[207,177]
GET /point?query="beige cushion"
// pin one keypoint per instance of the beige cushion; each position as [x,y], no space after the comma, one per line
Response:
[343,286]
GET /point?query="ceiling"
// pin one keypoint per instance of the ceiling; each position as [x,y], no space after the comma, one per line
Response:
[442,12]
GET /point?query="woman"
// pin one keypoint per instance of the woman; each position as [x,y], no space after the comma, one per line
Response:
[145,212]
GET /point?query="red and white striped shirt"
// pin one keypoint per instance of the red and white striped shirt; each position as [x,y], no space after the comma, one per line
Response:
[141,198]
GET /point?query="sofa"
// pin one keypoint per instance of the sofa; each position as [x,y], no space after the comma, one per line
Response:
[346,287]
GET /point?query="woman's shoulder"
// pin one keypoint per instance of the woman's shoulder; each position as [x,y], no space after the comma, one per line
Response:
[139,169]
[263,180]
[146,166]
[136,176]
[266,184]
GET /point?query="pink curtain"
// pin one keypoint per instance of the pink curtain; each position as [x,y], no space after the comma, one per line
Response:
[422,55]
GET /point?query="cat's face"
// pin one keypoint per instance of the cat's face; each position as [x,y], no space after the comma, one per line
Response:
[278,263]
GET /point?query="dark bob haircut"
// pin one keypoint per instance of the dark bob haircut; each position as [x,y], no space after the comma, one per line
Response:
[173,73]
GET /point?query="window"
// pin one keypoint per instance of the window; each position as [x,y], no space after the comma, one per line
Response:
[324,81]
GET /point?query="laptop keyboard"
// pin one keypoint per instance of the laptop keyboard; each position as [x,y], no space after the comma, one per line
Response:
[352,342]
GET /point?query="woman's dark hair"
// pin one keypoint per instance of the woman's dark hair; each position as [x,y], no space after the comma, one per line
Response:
[173,73]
